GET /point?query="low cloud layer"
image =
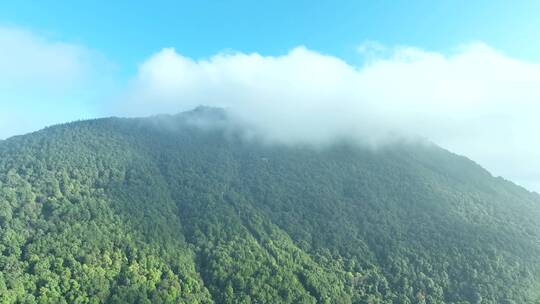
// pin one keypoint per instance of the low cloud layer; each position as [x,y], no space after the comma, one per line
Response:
[475,101]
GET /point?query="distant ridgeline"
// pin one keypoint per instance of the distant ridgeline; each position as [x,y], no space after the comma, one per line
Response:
[168,210]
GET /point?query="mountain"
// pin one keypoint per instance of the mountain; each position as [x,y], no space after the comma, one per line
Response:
[184,209]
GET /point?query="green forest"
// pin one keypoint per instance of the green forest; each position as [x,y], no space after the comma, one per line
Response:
[168,210]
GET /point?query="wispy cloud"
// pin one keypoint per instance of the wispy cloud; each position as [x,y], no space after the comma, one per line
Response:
[475,101]
[45,81]
[27,58]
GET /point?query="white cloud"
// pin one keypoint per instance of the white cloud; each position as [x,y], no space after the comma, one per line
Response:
[29,58]
[43,81]
[476,101]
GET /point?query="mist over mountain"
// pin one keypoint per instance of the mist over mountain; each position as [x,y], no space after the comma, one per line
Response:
[473,100]
[189,208]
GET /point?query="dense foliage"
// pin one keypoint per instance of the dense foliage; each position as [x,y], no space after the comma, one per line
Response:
[162,210]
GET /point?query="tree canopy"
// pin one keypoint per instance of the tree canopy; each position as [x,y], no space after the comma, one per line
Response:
[160,210]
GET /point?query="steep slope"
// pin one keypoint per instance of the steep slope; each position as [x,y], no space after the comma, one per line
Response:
[169,209]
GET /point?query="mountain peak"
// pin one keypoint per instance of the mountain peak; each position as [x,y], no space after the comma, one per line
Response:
[156,210]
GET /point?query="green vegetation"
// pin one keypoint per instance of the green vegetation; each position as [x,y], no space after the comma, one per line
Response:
[157,210]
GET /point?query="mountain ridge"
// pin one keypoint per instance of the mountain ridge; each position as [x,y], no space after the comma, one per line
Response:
[162,210]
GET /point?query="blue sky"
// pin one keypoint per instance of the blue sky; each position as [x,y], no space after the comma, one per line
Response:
[464,74]
[129,31]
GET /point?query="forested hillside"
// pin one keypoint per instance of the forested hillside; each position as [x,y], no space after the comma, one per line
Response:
[171,210]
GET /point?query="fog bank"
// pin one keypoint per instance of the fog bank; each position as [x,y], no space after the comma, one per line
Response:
[475,101]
